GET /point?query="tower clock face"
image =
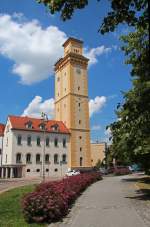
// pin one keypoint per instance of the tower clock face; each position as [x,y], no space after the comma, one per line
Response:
[78,69]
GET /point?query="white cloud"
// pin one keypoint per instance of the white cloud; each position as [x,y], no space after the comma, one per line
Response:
[108,135]
[93,53]
[37,106]
[108,132]
[96,104]
[96,127]
[33,49]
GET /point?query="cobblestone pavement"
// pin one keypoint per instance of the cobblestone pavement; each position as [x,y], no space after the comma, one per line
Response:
[113,202]
[140,201]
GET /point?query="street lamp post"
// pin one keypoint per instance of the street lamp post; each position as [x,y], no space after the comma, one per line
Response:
[45,119]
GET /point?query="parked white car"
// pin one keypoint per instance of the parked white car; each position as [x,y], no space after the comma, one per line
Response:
[72,173]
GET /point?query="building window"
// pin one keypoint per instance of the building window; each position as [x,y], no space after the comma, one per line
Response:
[81,161]
[47,158]
[18,158]
[64,142]
[6,159]
[47,142]
[47,170]
[28,158]
[38,158]
[55,127]
[79,104]
[29,140]
[80,148]
[56,142]
[29,125]
[79,88]
[38,170]
[7,142]
[42,126]
[64,158]
[80,137]
[19,138]
[55,158]
[28,170]
[56,170]
[79,122]
[38,142]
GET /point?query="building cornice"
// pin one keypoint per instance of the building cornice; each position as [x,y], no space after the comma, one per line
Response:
[78,129]
[39,131]
[73,59]
[73,94]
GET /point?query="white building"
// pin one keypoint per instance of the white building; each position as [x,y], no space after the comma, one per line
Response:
[2,127]
[33,147]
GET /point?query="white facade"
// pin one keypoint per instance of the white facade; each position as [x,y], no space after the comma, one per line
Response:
[20,149]
[1,147]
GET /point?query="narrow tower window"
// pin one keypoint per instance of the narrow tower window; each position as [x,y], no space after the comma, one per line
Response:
[81,161]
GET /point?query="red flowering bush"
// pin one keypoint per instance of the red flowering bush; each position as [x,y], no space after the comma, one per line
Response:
[51,200]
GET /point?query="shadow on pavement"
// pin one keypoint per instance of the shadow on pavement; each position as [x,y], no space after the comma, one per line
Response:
[142,194]
[136,179]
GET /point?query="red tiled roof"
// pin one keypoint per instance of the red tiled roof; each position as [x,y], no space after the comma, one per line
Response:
[2,128]
[21,122]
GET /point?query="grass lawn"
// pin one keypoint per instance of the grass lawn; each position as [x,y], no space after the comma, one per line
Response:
[10,208]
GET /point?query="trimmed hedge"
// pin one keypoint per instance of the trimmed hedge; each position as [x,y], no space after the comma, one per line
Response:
[51,200]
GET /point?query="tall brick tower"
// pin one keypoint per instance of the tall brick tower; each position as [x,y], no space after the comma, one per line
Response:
[71,101]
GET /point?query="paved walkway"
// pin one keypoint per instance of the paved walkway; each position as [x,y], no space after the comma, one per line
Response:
[106,203]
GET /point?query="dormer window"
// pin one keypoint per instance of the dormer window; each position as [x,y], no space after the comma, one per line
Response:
[29,125]
[42,126]
[55,127]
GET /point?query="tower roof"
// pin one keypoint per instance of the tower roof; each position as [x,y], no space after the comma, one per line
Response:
[71,39]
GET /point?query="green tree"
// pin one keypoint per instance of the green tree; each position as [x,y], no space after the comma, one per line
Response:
[121,11]
[98,164]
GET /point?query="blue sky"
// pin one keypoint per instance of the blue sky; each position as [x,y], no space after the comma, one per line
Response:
[30,43]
